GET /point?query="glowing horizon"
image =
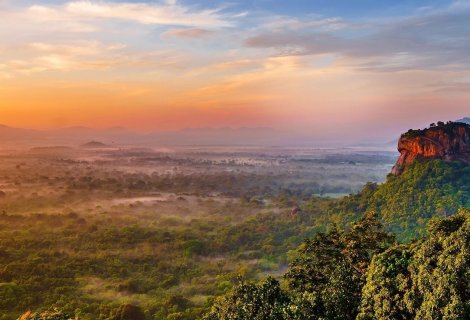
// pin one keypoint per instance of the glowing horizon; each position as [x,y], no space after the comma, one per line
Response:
[168,65]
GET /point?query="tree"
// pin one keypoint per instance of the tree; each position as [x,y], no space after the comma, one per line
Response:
[46,315]
[441,268]
[128,312]
[366,238]
[388,281]
[425,280]
[177,303]
[405,203]
[330,268]
[249,301]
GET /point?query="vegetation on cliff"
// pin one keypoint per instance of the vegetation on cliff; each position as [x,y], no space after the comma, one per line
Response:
[447,127]
[406,202]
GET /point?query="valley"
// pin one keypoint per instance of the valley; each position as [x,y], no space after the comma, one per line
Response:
[90,230]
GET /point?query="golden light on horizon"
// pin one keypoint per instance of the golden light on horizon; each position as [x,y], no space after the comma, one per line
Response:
[165,66]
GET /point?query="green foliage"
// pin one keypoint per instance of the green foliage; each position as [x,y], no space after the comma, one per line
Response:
[387,283]
[425,280]
[324,279]
[128,312]
[46,315]
[96,262]
[441,268]
[173,258]
[332,277]
[447,127]
[249,301]
[331,267]
[405,203]
[177,303]
[193,247]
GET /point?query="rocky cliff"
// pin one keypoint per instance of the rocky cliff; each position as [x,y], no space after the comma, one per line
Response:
[449,142]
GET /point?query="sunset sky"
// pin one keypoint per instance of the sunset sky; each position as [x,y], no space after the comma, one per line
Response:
[315,66]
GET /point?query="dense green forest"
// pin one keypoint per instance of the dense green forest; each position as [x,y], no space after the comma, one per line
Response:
[366,256]
[406,202]
[362,274]
[407,256]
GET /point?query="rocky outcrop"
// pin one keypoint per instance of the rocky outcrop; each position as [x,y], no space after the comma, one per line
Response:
[449,142]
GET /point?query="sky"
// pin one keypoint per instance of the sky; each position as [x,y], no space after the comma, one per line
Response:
[321,67]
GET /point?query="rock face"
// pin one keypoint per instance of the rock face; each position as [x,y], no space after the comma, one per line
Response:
[449,142]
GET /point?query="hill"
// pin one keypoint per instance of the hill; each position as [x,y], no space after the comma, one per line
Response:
[11,135]
[464,120]
[431,178]
[94,145]
[405,203]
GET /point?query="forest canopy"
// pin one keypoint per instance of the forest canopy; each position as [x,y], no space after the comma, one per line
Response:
[102,249]
[361,274]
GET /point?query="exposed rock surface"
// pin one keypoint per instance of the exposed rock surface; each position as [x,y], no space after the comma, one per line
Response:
[449,142]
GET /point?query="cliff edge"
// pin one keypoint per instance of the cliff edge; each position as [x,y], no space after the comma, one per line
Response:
[445,141]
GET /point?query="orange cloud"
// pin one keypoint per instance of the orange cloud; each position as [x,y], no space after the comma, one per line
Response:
[188,33]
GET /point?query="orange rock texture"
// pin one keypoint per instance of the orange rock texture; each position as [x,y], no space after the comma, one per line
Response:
[448,142]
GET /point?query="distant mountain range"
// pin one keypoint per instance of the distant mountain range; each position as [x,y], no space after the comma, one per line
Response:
[118,136]
[13,133]
[464,120]
[77,136]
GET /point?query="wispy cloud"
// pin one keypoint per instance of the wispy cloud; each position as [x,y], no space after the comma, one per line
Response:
[90,16]
[78,55]
[304,66]
[431,40]
[459,4]
[42,19]
[317,23]
[3,73]
[167,13]
[77,35]
[190,33]
[83,48]
[85,55]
